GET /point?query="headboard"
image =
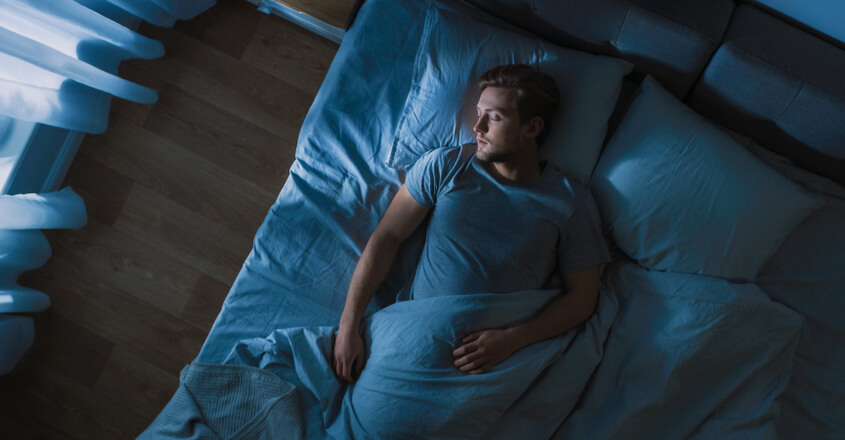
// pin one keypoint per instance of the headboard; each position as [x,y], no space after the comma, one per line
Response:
[782,87]
[738,64]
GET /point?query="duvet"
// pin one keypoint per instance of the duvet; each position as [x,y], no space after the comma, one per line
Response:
[667,355]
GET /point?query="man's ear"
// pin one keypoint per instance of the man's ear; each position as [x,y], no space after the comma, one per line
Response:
[533,127]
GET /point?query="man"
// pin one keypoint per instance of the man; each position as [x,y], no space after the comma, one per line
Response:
[502,222]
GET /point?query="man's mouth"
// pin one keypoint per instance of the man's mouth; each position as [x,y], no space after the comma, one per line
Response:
[481,142]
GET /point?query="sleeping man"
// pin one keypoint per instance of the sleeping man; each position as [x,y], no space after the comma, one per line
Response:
[501,221]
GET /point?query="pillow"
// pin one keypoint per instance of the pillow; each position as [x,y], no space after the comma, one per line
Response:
[688,356]
[455,50]
[677,193]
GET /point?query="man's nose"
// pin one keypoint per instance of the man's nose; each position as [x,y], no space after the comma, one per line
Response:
[480,125]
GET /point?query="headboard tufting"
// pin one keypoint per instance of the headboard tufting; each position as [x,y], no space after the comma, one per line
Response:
[670,40]
[781,86]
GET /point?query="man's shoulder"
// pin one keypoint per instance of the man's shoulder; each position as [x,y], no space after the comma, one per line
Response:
[455,153]
[446,157]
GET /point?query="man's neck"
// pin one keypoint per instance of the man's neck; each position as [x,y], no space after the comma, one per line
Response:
[522,169]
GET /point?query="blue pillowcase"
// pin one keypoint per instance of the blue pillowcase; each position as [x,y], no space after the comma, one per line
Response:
[677,193]
[455,50]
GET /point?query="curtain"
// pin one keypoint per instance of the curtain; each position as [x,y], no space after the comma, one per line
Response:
[24,247]
[59,58]
[58,66]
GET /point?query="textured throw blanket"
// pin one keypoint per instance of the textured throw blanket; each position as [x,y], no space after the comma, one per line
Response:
[228,402]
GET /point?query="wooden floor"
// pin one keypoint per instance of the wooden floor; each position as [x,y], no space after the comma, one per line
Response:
[175,193]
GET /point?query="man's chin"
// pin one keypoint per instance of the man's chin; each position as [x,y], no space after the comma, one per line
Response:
[483,152]
[487,156]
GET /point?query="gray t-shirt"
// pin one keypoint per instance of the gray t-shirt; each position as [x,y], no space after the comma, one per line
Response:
[491,236]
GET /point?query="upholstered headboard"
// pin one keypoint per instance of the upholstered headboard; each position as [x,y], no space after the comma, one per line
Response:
[735,63]
[782,87]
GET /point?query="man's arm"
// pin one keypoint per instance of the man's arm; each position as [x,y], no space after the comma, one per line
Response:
[484,349]
[403,216]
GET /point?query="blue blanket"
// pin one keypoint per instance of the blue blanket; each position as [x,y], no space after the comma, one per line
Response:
[409,387]
[666,356]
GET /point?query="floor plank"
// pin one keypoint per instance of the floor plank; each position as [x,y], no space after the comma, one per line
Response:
[57,401]
[103,189]
[65,339]
[175,192]
[185,177]
[225,82]
[172,229]
[128,374]
[204,304]
[227,140]
[162,339]
[227,27]
[109,258]
[14,428]
[302,61]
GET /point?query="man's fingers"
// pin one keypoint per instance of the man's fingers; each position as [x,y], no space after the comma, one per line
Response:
[347,372]
[359,366]
[465,349]
[479,370]
[472,366]
[339,370]
[471,337]
[464,360]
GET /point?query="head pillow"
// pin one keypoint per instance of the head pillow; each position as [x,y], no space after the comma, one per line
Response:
[455,50]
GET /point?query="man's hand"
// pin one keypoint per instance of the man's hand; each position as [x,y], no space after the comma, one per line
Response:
[484,349]
[348,355]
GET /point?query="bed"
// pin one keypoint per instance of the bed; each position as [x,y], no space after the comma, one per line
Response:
[712,136]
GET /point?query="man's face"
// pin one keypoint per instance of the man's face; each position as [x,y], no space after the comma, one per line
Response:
[499,131]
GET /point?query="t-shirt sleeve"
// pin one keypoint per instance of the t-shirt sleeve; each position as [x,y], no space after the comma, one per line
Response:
[582,244]
[426,179]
